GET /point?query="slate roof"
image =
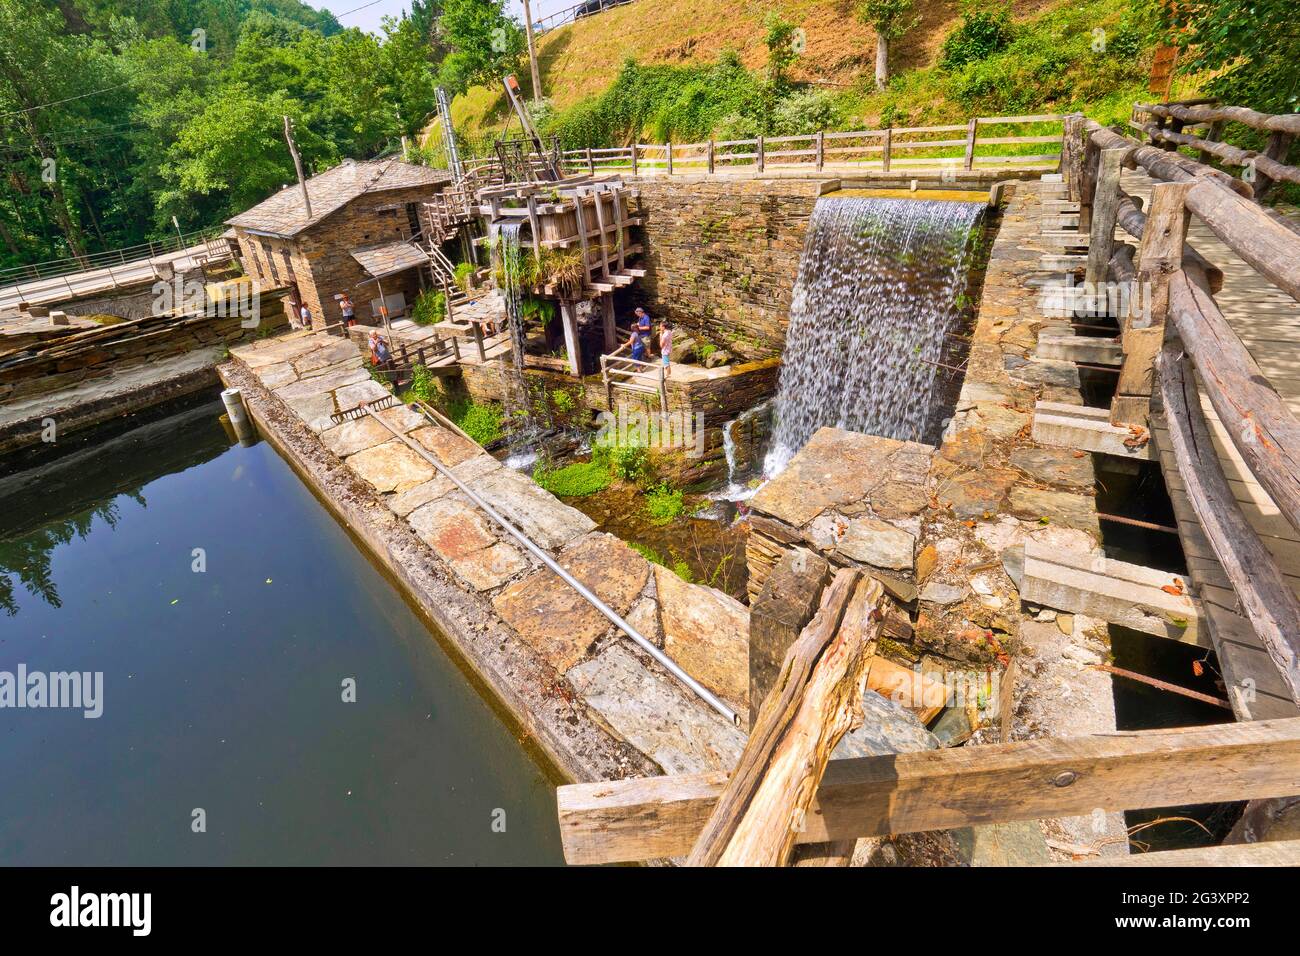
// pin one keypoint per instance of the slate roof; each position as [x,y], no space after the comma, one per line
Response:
[389,257]
[284,214]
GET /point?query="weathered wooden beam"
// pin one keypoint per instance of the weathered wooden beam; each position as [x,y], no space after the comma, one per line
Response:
[1262,591]
[815,701]
[1209,113]
[1133,220]
[1277,818]
[1163,165]
[1105,204]
[1262,426]
[1266,245]
[656,817]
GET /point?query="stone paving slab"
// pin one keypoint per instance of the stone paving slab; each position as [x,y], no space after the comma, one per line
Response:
[535,511]
[391,466]
[706,632]
[554,619]
[461,534]
[653,713]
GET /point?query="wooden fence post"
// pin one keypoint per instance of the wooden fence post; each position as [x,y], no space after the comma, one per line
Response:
[591,163]
[1159,256]
[1212,135]
[1090,160]
[821,150]
[759,155]
[668,150]
[710,157]
[634,158]
[1072,154]
[1279,144]
[1104,209]
[971,127]
[889,147]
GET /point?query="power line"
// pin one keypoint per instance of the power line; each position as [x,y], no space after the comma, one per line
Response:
[79,96]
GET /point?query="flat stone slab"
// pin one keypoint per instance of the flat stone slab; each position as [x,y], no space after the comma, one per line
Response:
[655,714]
[323,384]
[977,493]
[554,619]
[461,534]
[533,510]
[391,466]
[1055,466]
[449,447]
[838,468]
[1056,507]
[406,502]
[350,396]
[877,543]
[706,633]
[353,436]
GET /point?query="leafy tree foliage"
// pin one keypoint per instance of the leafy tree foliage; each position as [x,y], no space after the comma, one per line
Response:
[1256,40]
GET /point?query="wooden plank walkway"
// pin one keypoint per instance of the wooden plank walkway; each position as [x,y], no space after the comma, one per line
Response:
[1268,322]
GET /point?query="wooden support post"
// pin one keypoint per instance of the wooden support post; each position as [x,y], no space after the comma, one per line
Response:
[534,226]
[821,150]
[580,219]
[477,330]
[654,817]
[889,147]
[591,163]
[668,152]
[783,608]
[1159,257]
[607,322]
[572,344]
[1279,144]
[760,154]
[1105,205]
[710,157]
[597,198]
[815,701]
[1072,154]
[634,158]
[971,129]
[1212,135]
[1088,182]
[617,193]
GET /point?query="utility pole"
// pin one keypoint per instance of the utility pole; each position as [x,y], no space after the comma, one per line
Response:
[532,53]
[297,163]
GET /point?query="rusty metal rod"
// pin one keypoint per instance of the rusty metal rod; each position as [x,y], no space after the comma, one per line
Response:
[1164,685]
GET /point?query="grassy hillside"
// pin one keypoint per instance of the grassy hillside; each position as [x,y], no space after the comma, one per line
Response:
[1050,63]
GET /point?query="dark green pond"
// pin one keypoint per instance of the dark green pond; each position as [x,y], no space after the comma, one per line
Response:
[222,690]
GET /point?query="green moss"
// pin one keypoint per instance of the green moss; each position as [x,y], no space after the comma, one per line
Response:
[480,422]
[573,481]
[664,503]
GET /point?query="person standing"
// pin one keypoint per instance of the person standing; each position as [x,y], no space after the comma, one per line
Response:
[349,311]
[643,327]
[637,345]
[305,315]
[666,343]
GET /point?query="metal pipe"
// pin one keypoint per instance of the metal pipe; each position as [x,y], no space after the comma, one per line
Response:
[701,691]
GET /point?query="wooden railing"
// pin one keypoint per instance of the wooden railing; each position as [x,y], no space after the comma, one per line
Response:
[952,146]
[619,370]
[1178,288]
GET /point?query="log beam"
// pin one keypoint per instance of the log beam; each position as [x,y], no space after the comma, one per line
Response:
[816,699]
[650,818]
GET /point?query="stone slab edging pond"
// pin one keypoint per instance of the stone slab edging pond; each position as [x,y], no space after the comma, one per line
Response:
[595,703]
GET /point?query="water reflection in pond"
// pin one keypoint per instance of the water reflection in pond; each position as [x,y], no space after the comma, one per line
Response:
[223,687]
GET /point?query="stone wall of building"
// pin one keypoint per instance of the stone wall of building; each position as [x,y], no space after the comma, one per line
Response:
[722,256]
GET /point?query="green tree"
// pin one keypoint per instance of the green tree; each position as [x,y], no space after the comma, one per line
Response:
[1252,45]
[485,43]
[890,19]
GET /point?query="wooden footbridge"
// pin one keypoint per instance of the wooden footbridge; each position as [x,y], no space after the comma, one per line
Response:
[1207,353]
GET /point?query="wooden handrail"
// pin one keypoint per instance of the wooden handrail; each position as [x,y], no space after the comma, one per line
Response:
[1268,122]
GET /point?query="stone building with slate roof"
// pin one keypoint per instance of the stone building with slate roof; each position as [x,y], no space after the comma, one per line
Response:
[358,238]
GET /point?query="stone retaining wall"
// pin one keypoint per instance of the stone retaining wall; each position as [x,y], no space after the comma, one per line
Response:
[722,256]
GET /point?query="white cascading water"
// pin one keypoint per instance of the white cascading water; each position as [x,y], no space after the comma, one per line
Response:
[736,490]
[880,285]
[521,425]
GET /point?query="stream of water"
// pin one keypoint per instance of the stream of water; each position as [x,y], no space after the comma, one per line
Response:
[881,283]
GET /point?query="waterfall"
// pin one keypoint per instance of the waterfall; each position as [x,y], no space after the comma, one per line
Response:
[880,284]
[735,490]
[521,426]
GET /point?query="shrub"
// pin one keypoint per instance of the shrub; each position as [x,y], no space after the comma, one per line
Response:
[423,385]
[430,308]
[480,422]
[664,503]
[562,400]
[627,462]
[803,112]
[573,481]
[981,33]
[463,271]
